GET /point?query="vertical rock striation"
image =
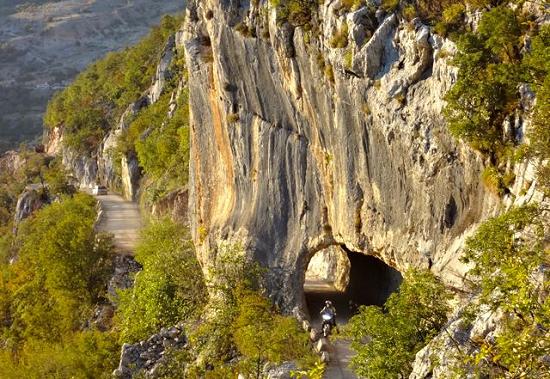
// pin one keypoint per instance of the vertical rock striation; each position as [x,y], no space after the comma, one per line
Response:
[296,147]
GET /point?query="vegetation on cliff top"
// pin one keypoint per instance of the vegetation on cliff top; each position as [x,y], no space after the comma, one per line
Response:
[486,97]
[99,95]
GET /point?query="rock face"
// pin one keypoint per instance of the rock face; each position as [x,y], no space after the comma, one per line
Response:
[102,166]
[331,265]
[28,202]
[148,355]
[10,162]
[295,148]
[174,205]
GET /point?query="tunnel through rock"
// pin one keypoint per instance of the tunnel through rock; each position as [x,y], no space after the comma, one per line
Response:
[347,279]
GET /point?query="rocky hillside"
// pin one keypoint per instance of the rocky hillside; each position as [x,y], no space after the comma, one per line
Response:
[44,44]
[415,132]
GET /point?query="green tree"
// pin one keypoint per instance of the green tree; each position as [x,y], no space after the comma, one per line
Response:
[486,89]
[61,270]
[509,254]
[168,290]
[537,64]
[55,176]
[263,336]
[241,324]
[47,295]
[387,339]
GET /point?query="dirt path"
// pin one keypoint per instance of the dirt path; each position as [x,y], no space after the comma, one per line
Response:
[121,218]
[338,367]
[340,352]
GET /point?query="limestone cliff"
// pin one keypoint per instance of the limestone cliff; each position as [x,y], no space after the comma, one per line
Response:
[102,166]
[291,157]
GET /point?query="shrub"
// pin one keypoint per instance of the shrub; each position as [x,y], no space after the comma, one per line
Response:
[295,12]
[232,118]
[352,4]
[169,289]
[452,19]
[537,65]
[88,354]
[262,336]
[409,12]
[163,144]
[329,72]
[389,5]
[241,325]
[493,181]
[409,320]
[61,271]
[340,38]
[348,59]
[244,29]
[509,257]
[486,90]
[48,294]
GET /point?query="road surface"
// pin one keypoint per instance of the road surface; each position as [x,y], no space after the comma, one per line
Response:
[121,218]
[317,292]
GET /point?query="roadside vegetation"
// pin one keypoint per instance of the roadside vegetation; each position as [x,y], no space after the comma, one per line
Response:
[48,292]
[386,339]
[510,257]
[241,330]
[169,289]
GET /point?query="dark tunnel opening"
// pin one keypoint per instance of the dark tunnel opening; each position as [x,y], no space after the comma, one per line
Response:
[348,280]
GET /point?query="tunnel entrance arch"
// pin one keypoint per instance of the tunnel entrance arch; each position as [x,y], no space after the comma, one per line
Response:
[348,279]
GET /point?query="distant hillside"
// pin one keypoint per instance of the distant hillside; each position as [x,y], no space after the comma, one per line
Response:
[44,44]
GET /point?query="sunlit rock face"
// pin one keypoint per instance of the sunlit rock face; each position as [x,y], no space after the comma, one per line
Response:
[288,161]
[330,265]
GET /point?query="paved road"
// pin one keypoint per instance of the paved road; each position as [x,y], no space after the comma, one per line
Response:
[340,353]
[121,218]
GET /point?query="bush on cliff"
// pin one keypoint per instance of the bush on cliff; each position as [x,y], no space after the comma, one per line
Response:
[485,93]
[491,68]
[295,12]
[263,336]
[510,256]
[387,339]
[537,65]
[241,330]
[163,151]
